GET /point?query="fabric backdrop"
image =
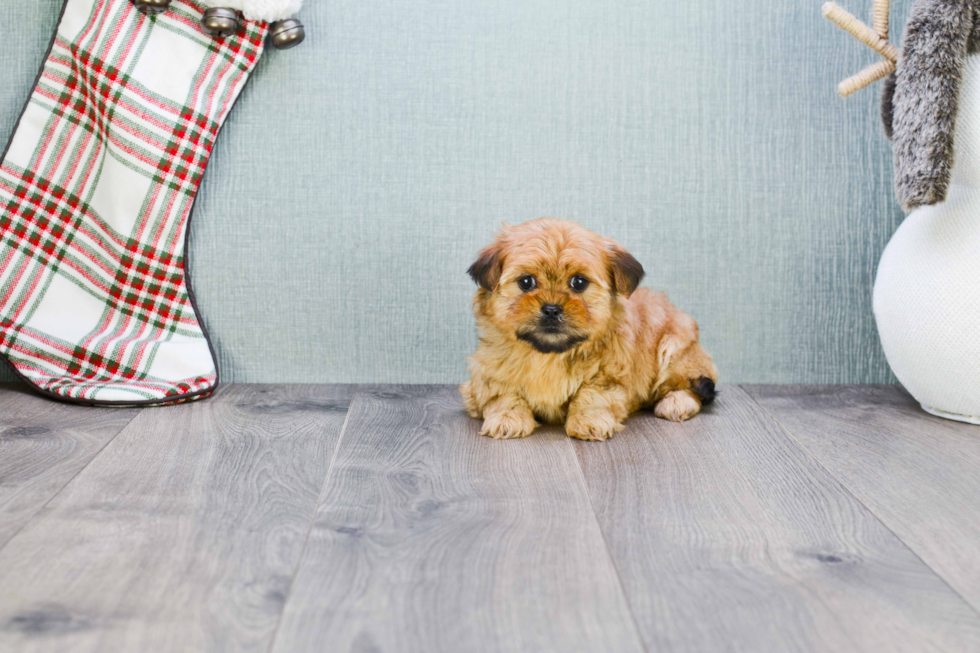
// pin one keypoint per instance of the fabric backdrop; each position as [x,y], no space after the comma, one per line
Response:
[360,173]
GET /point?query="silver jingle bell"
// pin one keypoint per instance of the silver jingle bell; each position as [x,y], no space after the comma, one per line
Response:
[151,7]
[220,22]
[286,34]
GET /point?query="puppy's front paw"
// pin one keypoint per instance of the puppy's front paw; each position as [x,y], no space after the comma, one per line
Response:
[505,426]
[596,425]
[677,406]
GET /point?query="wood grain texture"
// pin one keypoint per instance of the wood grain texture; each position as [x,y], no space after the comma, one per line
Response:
[728,536]
[918,473]
[183,534]
[431,538]
[43,445]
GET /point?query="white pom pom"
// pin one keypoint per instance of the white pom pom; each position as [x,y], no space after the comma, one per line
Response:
[265,10]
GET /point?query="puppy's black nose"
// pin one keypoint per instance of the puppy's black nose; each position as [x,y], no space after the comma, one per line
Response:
[551,310]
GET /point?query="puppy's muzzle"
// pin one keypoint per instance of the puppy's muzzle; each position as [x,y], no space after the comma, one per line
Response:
[551,310]
[551,333]
[551,317]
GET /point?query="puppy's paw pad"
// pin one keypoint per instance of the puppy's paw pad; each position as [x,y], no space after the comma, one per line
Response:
[595,426]
[677,406]
[508,426]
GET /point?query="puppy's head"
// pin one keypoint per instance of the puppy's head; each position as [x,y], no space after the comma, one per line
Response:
[553,284]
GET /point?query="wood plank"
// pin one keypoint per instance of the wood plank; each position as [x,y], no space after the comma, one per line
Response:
[918,473]
[43,445]
[432,538]
[728,536]
[183,534]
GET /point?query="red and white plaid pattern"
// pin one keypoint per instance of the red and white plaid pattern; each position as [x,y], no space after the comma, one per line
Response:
[96,189]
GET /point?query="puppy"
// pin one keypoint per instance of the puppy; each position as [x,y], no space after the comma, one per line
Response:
[565,337]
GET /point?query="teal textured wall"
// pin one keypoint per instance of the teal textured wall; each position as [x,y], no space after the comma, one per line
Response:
[360,173]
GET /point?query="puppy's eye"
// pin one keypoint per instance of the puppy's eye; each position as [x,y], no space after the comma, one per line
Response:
[527,283]
[578,283]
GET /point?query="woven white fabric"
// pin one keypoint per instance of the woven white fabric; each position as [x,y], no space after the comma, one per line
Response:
[927,290]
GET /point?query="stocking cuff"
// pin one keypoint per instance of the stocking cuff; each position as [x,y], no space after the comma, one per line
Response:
[265,10]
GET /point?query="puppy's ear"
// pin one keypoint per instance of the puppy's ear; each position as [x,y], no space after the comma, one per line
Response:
[626,270]
[486,270]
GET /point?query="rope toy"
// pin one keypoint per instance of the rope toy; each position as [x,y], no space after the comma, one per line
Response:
[876,39]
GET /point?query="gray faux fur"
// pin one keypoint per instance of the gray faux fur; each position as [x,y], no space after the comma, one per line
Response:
[887,106]
[938,36]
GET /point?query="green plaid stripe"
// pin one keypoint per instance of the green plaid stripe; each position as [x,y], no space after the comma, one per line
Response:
[95,193]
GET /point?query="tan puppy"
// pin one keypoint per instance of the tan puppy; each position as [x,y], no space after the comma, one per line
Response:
[565,339]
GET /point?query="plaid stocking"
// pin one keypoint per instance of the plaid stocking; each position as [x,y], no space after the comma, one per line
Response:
[96,189]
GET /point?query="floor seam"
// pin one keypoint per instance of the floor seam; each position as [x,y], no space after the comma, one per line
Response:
[316,510]
[74,476]
[605,545]
[871,512]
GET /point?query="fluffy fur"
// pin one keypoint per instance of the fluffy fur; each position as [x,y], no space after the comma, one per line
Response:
[612,350]
[923,100]
[265,10]
[887,106]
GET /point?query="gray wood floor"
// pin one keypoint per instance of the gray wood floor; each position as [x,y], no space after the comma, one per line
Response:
[375,518]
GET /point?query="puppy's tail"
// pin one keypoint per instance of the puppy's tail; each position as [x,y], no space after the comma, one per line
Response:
[705,389]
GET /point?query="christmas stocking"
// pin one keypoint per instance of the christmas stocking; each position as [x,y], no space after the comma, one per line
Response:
[96,190]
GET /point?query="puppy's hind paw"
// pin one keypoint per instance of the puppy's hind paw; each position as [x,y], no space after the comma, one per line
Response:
[677,406]
[506,426]
[594,425]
